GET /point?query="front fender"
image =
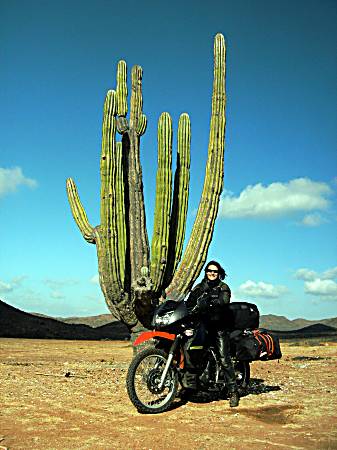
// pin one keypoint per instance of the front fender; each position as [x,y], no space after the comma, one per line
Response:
[147,335]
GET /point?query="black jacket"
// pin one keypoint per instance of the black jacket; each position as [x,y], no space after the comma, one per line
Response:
[214,297]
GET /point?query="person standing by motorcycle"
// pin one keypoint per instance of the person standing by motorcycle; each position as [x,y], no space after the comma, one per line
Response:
[209,297]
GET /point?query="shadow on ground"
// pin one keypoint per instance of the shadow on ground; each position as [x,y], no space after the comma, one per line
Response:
[256,387]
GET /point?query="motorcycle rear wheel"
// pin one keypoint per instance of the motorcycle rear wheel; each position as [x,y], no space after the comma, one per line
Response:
[143,378]
[242,373]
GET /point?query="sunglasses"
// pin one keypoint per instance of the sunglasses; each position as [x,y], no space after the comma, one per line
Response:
[212,271]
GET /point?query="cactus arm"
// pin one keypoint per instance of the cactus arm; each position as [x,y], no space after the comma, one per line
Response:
[141,125]
[183,168]
[136,96]
[79,213]
[197,248]
[180,198]
[118,184]
[160,237]
[139,245]
[110,235]
[121,89]
[108,208]
[106,163]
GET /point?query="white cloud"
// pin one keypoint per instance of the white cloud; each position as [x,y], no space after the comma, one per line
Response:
[321,288]
[60,283]
[29,299]
[311,275]
[17,281]
[261,290]
[330,274]
[11,179]
[5,287]
[305,274]
[276,200]
[312,220]
[57,295]
[95,279]
[319,284]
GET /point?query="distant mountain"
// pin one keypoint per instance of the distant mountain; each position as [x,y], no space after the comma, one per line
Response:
[19,324]
[281,323]
[316,330]
[91,321]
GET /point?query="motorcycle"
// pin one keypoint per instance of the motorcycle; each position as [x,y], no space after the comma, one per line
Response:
[181,354]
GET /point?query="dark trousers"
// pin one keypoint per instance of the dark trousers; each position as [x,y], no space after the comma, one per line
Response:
[223,347]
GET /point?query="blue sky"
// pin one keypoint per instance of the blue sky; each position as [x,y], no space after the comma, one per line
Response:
[276,231]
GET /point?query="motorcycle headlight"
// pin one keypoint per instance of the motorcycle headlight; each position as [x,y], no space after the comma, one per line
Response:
[163,320]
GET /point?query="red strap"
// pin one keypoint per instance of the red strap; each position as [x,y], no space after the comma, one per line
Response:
[267,339]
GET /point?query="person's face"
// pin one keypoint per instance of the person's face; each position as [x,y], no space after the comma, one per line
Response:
[212,272]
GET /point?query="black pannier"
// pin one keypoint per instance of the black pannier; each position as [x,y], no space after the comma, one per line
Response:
[258,345]
[241,316]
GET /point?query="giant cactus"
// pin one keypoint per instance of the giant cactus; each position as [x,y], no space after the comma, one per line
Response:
[129,277]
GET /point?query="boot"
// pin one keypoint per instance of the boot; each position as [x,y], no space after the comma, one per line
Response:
[234,399]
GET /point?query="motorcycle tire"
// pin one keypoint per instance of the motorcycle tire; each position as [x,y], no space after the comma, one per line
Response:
[142,382]
[242,373]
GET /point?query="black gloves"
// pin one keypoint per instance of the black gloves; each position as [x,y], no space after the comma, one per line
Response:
[203,304]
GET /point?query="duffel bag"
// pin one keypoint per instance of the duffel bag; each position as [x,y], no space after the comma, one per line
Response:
[258,345]
[241,316]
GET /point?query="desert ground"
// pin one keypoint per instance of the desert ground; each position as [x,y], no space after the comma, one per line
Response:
[71,395]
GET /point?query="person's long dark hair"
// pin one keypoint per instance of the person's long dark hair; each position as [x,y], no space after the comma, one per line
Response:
[221,270]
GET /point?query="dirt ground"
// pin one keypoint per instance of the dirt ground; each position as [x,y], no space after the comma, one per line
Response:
[72,395]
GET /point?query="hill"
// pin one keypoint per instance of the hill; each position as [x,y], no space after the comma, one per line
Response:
[317,330]
[91,321]
[19,324]
[281,323]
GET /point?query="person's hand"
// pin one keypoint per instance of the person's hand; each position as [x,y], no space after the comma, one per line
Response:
[202,304]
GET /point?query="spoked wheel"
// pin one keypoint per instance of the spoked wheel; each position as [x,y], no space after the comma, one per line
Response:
[143,380]
[242,373]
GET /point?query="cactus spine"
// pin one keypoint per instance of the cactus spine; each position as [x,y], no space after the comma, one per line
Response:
[129,278]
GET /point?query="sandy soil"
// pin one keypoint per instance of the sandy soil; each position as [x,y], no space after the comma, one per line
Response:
[291,404]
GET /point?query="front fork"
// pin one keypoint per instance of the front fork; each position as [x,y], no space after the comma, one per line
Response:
[171,354]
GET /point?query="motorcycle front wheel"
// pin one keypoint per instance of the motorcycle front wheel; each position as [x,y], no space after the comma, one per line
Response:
[142,382]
